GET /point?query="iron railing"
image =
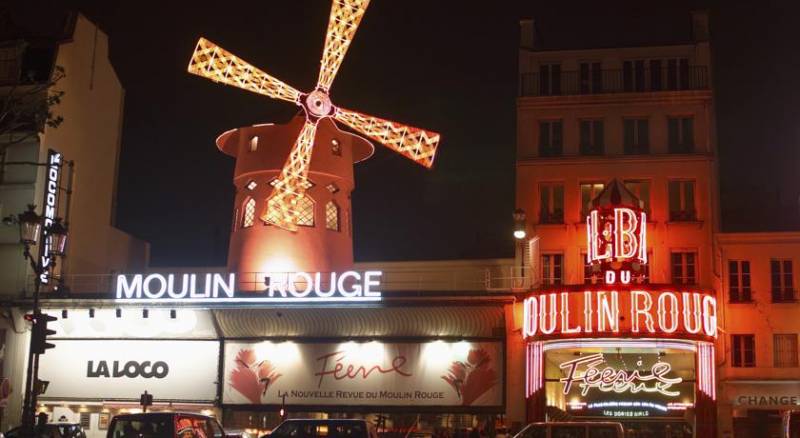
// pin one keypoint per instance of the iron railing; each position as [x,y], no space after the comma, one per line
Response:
[614,81]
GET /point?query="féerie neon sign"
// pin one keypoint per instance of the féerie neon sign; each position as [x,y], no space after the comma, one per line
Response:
[609,379]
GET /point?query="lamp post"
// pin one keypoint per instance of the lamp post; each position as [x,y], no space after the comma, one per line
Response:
[31,229]
[520,233]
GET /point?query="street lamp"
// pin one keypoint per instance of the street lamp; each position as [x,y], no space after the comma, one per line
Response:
[57,237]
[519,224]
[520,233]
[31,227]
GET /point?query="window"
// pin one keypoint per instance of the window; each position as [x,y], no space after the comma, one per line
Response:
[567,431]
[681,201]
[589,276]
[680,135]
[637,136]
[336,148]
[640,188]
[743,350]
[589,191]
[784,350]
[552,269]
[534,431]
[332,216]
[782,281]
[550,138]
[636,73]
[550,79]
[305,209]
[254,143]
[677,74]
[85,420]
[551,204]
[249,216]
[592,137]
[633,75]
[597,431]
[684,267]
[739,281]
[591,78]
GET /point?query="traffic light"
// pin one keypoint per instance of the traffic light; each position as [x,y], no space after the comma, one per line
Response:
[40,332]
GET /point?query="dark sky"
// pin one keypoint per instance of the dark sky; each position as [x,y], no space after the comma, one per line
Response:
[445,65]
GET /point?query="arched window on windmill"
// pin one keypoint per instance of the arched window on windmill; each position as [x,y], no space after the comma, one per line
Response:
[332,216]
[305,207]
[248,212]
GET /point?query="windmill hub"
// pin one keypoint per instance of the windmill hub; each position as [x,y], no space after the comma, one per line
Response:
[318,104]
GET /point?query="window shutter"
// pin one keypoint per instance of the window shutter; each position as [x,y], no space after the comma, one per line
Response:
[627,76]
[644,133]
[628,128]
[557,135]
[598,135]
[556,78]
[655,74]
[672,132]
[684,74]
[586,133]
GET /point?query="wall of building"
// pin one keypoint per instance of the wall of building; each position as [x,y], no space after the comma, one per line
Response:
[760,317]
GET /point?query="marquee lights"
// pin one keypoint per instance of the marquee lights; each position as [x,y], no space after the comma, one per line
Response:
[283,287]
[621,311]
[609,379]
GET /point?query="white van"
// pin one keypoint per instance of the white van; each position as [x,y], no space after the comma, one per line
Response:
[573,429]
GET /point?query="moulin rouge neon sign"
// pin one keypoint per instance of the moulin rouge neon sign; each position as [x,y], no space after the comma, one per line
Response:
[619,312]
[609,379]
[348,286]
[617,238]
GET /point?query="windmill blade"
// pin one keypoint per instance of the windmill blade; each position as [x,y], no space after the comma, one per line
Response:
[342,26]
[283,206]
[215,63]
[414,143]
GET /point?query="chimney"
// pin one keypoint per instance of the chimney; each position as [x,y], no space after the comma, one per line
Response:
[527,33]
[700,26]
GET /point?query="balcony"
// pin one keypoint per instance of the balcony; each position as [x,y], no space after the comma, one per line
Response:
[570,83]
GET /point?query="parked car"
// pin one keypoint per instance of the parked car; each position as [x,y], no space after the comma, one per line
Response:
[52,430]
[164,425]
[573,429]
[324,429]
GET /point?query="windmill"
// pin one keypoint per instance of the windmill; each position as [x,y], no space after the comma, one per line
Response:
[213,62]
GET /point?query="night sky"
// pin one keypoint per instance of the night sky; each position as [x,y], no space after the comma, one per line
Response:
[444,65]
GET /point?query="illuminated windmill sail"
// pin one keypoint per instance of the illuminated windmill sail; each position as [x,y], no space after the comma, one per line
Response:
[213,62]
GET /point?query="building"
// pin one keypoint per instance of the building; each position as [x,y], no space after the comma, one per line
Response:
[758,371]
[88,139]
[642,117]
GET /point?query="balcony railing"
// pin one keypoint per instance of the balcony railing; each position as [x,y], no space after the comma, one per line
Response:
[614,81]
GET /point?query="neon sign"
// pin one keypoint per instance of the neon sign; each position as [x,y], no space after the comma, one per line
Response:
[619,312]
[50,198]
[616,235]
[609,379]
[277,287]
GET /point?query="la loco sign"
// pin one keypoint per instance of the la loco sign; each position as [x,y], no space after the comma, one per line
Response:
[620,312]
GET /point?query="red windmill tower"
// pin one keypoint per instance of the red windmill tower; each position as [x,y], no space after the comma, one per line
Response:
[292,208]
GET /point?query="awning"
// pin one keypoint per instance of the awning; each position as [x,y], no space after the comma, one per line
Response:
[334,322]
